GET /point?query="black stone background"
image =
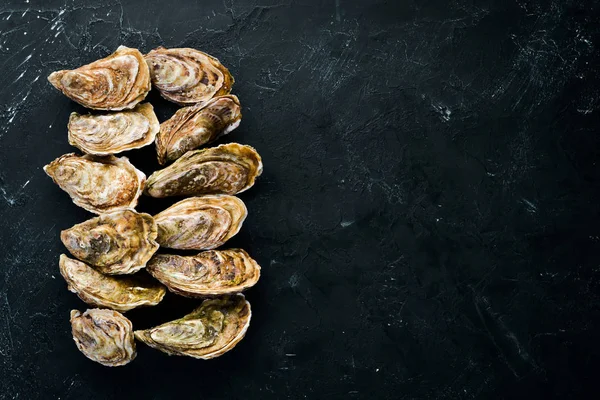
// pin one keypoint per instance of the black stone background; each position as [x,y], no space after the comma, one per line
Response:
[427,221]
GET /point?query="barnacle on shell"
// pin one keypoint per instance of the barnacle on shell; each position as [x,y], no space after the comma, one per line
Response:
[228,169]
[207,332]
[117,82]
[187,76]
[191,127]
[121,293]
[98,184]
[120,242]
[111,133]
[104,336]
[210,273]
[200,223]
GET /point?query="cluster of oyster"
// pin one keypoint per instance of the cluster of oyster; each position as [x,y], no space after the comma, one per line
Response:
[112,249]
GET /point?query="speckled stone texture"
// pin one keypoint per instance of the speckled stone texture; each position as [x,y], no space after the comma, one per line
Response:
[428,218]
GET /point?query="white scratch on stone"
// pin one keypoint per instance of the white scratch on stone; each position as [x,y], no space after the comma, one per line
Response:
[26,183]
[345,224]
[532,208]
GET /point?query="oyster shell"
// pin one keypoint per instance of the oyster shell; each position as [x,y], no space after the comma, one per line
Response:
[104,336]
[200,223]
[117,82]
[229,169]
[207,332]
[191,127]
[98,184]
[117,293]
[115,132]
[209,273]
[187,76]
[120,242]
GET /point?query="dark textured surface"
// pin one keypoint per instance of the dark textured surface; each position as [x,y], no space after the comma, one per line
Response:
[428,218]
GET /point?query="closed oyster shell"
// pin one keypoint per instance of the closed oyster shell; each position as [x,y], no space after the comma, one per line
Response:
[117,82]
[207,332]
[209,273]
[104,336]
[187,76]
[120,242]
[191,127]
[200,223]
[117,293]
[228,169]
[114,132]
[98,184]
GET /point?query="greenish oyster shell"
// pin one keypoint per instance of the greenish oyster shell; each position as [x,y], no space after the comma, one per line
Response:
[200,223]
[117,82]
[111,133]
[209,331]
[210,273]
[194,126]
[121,293]
[187,76]
[120,242]
[104,336]
[98,184]
[226,169]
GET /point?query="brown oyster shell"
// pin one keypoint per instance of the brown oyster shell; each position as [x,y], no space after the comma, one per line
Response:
[117,82]
[120,242]
[111,133]
[228,169]
[104,336]
[194,126]
[209,331]
[187,76]
[200,223]
[117,293]
[98,184]
[210,273]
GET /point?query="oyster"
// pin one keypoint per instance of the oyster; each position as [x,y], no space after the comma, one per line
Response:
[115,132]
[104,336]
[120,242]
[209,273]
[229,169]
[187,76]
[207,332]
[200,223]
[98,184]
[191,127]
[116,82]
[118,293]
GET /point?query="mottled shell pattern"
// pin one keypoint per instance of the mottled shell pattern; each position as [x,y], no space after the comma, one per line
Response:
[112,133]
[200,223]
[194,126]
[120,242]
[209,273]
[121,293]
[207,332]
[227,169]
[117,82]
[104,336]
[187,76]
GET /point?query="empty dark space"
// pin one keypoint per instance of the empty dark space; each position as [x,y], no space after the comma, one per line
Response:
[427,221]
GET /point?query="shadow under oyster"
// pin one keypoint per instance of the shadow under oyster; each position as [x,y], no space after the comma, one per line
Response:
[200,223]
[98,184]
[210,273]
[104,336]
[120,242]
[207,332]
[194,126]
[187,76]
[111,133]
[226,169]
[116,82]
[121,293]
